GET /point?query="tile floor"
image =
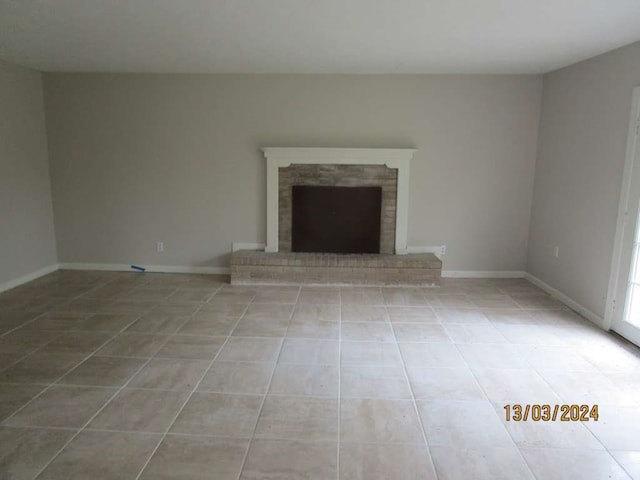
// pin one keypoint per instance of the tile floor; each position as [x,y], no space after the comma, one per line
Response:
[160,376]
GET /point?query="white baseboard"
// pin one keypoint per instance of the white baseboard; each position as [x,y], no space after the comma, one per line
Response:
[569,302]
[121,267]
[483,274]
[28,277]
[235,246]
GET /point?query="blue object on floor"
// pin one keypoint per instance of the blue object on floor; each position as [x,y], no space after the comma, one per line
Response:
[140,269]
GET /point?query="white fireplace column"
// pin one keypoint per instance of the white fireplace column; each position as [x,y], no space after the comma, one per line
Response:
[396,158]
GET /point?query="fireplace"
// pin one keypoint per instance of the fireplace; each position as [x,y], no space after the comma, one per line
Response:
[324,204]
[335,219]
[384,170]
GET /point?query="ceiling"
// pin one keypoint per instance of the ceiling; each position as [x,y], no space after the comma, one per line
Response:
[312,36]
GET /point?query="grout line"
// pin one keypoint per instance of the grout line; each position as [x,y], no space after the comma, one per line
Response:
[104,405]
[193,390]
[264,397]
[415,404]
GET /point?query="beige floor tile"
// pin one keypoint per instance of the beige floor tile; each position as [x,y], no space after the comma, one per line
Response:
[311,380]
[495,463]
[494,324]
[269,310]
[176,309]
[309,351]
[298,418]
[534,334]
[55,321]
[104,322]
[420,332]
[140,410]
[630,461]
[552,434]
[444,384]
[496,300]
[363,381]
[196,458]
[158,324]
[211,324]
[471,316]
[219,415]
[523,386]
[228,296]
[618,428]
[326,295]
[314,329]
[572,464]
[246,349]
[382,462]
[42,368]
[431,355]
[462,424]
[361,296]
[26,341]
[586,387]
[305,313]
[15,396]
[508,316]
[104,455]
[277,295]
[412,314]
[367,332]
[404,296]
[451,300]
[26,451]
[195,347]
[364,313]
[238,377]
[370,353]
[465,333]
[379,421]
[170,374]
[103,371]
[190,296]
[76,342]
[261,327]
[61,406]
[224,309]
[134,345]
[291,460]
[492,356]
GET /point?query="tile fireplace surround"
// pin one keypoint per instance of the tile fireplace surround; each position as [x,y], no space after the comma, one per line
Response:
[387,168]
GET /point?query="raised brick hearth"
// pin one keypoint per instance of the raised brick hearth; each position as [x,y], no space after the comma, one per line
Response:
[254,267]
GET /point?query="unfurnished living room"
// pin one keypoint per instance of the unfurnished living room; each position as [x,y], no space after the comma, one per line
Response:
[313,240]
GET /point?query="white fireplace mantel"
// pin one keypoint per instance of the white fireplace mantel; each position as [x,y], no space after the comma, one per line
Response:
[280,157]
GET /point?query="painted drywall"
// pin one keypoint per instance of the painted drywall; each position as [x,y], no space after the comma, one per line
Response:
[27,238]
[138,158]
[583,134]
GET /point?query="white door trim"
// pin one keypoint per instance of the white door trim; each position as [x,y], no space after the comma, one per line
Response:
[613,302]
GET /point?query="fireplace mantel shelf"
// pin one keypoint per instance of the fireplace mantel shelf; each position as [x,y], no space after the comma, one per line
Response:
[396,158]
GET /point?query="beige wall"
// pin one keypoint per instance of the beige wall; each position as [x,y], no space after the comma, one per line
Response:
[27,240]
[141,158]
[583,132]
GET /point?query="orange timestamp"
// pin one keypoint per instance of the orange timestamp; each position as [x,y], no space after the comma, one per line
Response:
[551,413]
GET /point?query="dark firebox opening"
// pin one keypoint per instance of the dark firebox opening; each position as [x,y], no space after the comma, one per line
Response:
[336,219]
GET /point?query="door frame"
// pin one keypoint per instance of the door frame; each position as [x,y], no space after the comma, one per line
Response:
[614,304]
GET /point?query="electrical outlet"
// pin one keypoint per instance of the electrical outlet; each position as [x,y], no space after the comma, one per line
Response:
[556,251]
[443,250]
[160,246]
